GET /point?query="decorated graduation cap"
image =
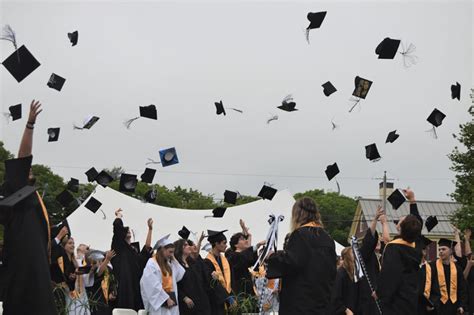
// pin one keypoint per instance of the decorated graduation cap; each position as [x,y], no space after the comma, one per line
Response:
[148,175]
[14,112]
[184,233]
[73,185]
[456,91]
[431,222]
[93,204]
[436,119]
[267,192]
[446,243]
[396,199]
[162,242]
[331,171]
[387,49]
[216,236]
[150,195]
[372,153]
[53,134]
[21,63]
[73,37]
[392,136]
[128,183]
[168,157]
[220,109]
[288,105]
[145,112]
[230,197]
[65,198]
[362,87]
[315,20]
[91,174]
[104,178]
[88,123]
[56,82]
[328,88]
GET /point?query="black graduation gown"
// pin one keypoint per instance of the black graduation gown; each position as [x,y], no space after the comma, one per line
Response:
[344,294]
[366,305]
[450,308]
[95,292]
[25,256]
[240,262]
[470,289]
[128,267]
[217,293]
[193,286]
[397,287]
[307,270]
[422,301]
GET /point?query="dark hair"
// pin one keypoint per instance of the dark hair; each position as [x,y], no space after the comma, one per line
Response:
[285,242]
[178,250]
[410,228]
[304,210]
[234,240]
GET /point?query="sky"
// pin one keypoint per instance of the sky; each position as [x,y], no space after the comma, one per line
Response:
[183,56]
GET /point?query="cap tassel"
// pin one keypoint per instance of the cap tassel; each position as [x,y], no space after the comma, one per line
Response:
[334,126]
[433,132]
[274,117]
[7,116]
[129,122]
[9,35]
[356,102]
[307,34]
[409,59]
[338,188]
[237,110]
[151,161]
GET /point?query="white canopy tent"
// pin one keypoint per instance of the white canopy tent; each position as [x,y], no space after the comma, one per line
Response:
[95,229]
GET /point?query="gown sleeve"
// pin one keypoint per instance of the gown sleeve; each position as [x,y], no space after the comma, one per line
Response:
[291,260]
[151,287]
[118,239]
[369,242]
[337,300]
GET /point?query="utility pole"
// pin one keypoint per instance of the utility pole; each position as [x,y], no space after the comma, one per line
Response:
[384,191]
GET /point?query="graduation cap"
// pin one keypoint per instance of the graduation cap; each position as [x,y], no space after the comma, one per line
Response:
[104,179]
[91,174]
[207,247]
[362,87]
[328,88]
[287,104]
[162,242]
[15,112]
[372,153]
[21,63]
[73,37]
[58,227]
[96,255]
[65,198]
[148,175]
[392,136]
[456,91]
[267,192]
[128,183]
[331,171]
[168,157]
[88,123]
[136,246]
[146,112]
[447,243]
[431,222]
[184,233]
[215,236]
[73,185]
[315,20]
[53,134]
[387,49]
[436,119]
[425,242]
[218,212]
[93,204]
[150,195]
[18,196]
[56,82]
[396,199]
[230,197]
[219,108]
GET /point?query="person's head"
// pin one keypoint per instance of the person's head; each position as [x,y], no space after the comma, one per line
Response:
[445,249]
[82,250]
[193,248]
[68,244]
[348,261]
[399,224]
[305,210]
[168,251]
[163,256]
[219,245]
[182,250]
[128,236]
[410,228]
[238,242]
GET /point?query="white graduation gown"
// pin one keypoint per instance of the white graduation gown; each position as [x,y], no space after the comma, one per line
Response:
[151,287]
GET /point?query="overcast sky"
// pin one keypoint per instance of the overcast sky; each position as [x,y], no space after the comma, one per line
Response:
[184,56]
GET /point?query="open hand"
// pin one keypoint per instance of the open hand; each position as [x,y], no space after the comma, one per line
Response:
[109,255]
[409,194]
[118,213]
[35,109]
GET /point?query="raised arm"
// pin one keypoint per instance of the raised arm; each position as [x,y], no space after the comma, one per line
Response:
[26,145]
[467,242]
[373,224]
[457,239]
[103,266]
[245,231]
[148,236]
[385,229]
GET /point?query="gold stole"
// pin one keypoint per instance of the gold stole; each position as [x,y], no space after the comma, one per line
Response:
[427,291]
[453,282]
[167,282]
[400,241]
[224,277]
[46,218]
[61,264]
[312,224]
[104,284]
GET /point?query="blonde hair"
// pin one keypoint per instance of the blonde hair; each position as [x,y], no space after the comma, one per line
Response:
[304,210]
[348,262]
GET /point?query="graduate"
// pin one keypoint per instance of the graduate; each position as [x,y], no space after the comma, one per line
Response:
[128,263]
[397,287]
[159,283]
[448,277]
[344,299]
[102,292]
[469,270]
[307,267]
[427,288]
[26,251]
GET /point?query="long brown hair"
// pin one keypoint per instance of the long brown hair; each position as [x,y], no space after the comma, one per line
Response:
[162,261]
[71,257]
[348,262]
[304,210]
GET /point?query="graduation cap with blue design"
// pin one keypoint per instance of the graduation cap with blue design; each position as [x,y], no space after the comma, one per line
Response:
[168,157]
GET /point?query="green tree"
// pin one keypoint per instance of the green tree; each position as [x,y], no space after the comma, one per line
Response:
[337,212]
[4,155]
[463,165]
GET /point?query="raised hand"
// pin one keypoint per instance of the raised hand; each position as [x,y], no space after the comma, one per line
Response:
[62,233]
[109,255]
[118,213]
[35,110]
[409,194]
[150,224]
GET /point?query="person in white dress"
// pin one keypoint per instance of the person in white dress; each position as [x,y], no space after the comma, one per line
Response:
[158,284]
[78,303]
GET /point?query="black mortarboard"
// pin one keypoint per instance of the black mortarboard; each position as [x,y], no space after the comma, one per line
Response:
[219,108]
[53,134]
[150,196]
[136,246]
[388,48]
[362,87]
[372,153]
[392,136]
[93,204]
[436,118]
[331,171]
[456,91]
[65,198]
[91,174]
[21,63]
[88,123]
[73,37]
[396,199]
[267,192]
[148,112]
[218,212]
[73,185]
[447,243]
[230,197]
[168,157]
[184,233]
[425,241]
[328,88]
[431,222]
[56,82]
[315,19]
[215,236]
[15,112]
[128,183]
[18,196]
[148,175]
[104,179]
[287,104]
